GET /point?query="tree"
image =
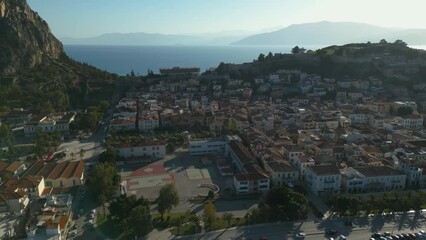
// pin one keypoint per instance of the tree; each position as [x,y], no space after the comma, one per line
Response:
[121,207]
[295,50]
[261,57]
[140,220]
[132,73]
[399,42]
[104,182]
[103,105]
[210,195]
[196,221]
[168,198]
[82,153]
[209,214]
[178,223]
[108,156]
[404,111]
[228,217]
[46,143]
[298,50]
[6,137]
[269,56]
[383,41]
[288,204]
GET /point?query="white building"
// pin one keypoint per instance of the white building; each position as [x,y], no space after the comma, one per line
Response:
[49,123]
[123,124]
[411,121]
[264,122]
[413,172]
[291,151]
[251,183]
[374,179]
[301,163]
[323,180]
[148,121]
[359,118]
[281,173]
[378,121]
[144,151]
[207,146]
[344,122]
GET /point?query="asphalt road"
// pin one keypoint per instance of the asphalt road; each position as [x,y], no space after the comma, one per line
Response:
[362,230]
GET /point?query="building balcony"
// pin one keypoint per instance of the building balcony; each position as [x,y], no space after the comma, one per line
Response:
[329,181]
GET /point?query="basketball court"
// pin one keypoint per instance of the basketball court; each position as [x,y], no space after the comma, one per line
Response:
[147,177]
[197,174]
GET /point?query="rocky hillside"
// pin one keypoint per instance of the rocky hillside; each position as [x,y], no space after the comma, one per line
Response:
[35,72]
[25,39]
[394,63]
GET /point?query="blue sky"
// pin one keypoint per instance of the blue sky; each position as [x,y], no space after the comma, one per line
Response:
[85,18]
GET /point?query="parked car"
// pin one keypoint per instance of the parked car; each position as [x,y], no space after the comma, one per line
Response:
[331,232]
[376,235]
[300,235]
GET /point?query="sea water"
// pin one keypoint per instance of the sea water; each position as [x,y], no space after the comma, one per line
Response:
[123,59]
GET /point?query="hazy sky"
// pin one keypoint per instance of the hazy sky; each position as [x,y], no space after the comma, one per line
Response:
[84,18]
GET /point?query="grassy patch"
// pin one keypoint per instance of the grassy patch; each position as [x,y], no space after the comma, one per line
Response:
[221,223]
[168,219]
[109,228]
[186,229]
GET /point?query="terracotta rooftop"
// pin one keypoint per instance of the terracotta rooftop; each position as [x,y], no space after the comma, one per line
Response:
[324,170]
[34,168]
[249,177]
[293,148]
[242,152]
[11,195]
[63,220]
[372,171]
[13,166]
[280,166]
[25,182]
[56,170]
[3,166]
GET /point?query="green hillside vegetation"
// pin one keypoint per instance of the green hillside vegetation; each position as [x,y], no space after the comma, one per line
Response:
[356,60]
[56,86]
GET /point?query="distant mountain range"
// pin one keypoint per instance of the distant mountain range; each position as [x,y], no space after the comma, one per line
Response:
[319,33]
[141,39]
[333,33]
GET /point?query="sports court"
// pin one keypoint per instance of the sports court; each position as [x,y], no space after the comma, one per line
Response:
[197,174]
[147,177]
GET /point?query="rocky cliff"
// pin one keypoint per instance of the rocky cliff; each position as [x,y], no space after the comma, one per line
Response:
[25,38]
[35,72]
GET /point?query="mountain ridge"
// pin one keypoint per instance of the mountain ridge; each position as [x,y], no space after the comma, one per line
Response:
[155,39]
[26,38]
[332,33]
[36,73]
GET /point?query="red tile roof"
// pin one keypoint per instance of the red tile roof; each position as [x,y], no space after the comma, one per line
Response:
[14,166]
[242,152]
[3,166]
[57,170]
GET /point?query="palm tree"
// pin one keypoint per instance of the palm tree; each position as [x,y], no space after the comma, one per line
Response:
[178,223]
[228,217]
[196,221]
